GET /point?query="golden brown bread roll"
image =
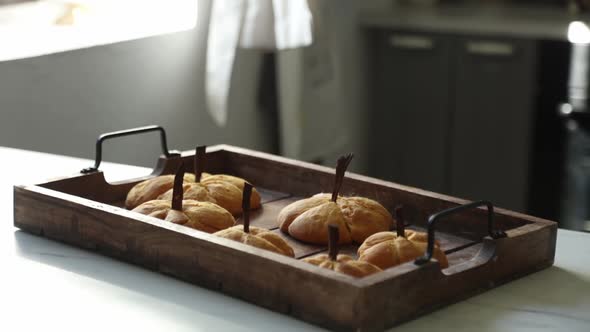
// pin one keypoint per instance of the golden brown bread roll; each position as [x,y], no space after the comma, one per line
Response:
[357,218]
[224,190]
[259,238]
[152,188]
[203,216]
[213,181]
[386,249]
[344,264]
[236,181]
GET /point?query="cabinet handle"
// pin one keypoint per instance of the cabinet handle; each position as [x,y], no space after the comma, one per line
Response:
[409,42]
[488,48]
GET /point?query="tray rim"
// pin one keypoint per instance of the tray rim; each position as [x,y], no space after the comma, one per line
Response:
[360,283]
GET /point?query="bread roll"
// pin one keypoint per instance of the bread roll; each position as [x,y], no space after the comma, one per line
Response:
[202,216]
[259,238]
[343,264]
[357,218]
[150,189]
[386,249]
[224,190]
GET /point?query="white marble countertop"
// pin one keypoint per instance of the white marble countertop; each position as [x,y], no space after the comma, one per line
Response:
[49,286]
[535,22]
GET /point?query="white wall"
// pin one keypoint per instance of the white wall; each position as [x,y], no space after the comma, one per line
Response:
[323,88]
[59,103]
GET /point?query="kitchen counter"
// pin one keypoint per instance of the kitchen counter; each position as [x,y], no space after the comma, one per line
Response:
[533,22]
[49,286]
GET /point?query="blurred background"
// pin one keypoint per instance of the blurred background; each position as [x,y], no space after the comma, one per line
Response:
[476,99]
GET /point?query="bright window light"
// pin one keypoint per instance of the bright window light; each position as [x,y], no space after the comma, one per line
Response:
[44,26]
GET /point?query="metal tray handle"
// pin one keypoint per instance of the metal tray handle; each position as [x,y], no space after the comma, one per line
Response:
[494,234]
[126,132]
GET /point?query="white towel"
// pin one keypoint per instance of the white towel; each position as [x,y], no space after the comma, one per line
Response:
[265,24]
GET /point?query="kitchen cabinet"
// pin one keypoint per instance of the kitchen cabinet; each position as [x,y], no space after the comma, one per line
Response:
[409,129]
[492,120]
[453,114]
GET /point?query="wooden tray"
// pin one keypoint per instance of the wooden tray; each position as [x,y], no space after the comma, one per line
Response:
[85,210]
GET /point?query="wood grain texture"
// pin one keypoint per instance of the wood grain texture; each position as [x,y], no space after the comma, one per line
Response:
[81,210]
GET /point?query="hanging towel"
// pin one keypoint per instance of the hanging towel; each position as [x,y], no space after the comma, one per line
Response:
[262,24]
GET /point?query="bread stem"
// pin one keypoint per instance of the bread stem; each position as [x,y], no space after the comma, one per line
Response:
[400,221]
[200,156]
[333,235]
[341,167]
[177,193]
[246,206]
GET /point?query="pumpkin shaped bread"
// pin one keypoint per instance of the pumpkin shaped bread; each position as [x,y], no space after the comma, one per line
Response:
[387,249]
[255,236]
[152,188]
[258,237]
[341,263]
[356,217]
[224,190]
[204,216]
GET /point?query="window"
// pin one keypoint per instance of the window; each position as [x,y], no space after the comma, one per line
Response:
[48,26]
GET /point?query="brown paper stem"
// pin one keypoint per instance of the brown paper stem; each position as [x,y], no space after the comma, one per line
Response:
[341,167]
[333,235]
[246,206]
[400,221]
[177,192]
[200,156]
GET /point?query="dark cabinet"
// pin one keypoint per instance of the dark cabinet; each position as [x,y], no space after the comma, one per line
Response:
[453,114]
[409,130]
[492,120]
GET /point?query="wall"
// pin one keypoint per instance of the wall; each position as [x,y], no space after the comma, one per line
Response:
[323,88]
[60,103]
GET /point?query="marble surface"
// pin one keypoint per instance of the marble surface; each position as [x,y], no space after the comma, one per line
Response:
[536,22]
[49,286]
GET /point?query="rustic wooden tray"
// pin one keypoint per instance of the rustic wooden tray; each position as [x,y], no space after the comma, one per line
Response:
[86,211]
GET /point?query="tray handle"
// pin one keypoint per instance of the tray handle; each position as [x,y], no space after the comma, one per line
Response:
[127,132]
[494,234]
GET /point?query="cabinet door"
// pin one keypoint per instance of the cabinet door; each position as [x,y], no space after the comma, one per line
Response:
[408,126]
[492,120]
